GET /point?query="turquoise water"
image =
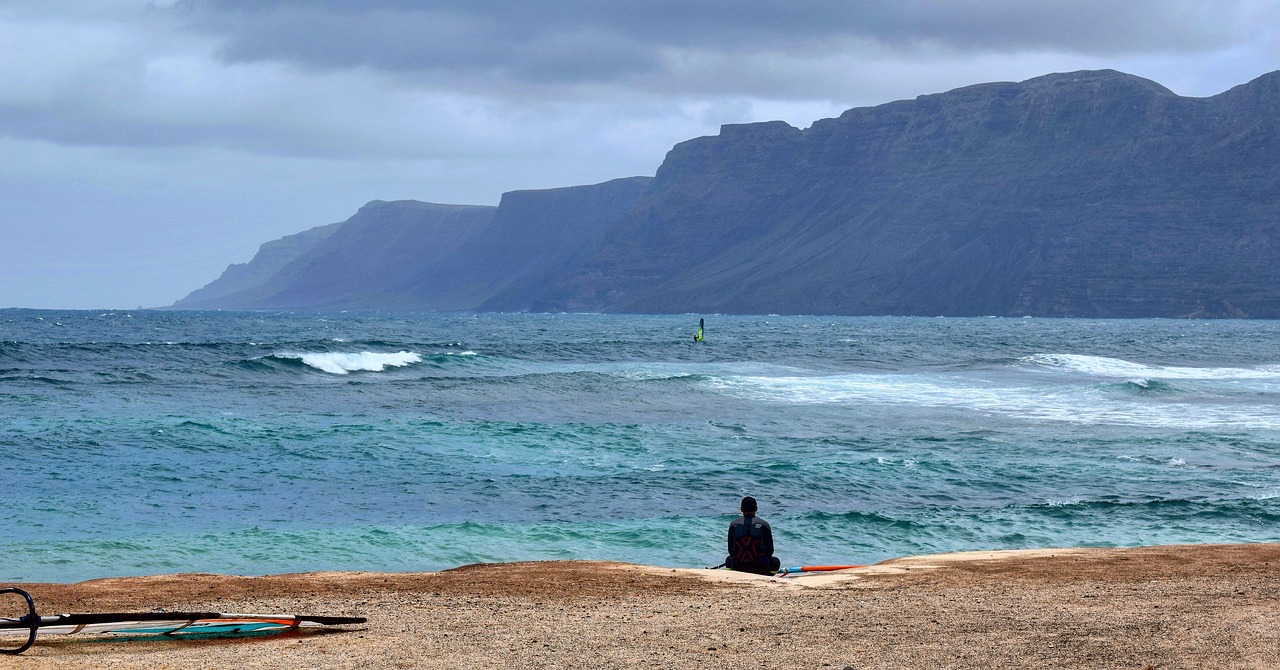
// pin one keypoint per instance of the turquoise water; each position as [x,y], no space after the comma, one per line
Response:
[156,442]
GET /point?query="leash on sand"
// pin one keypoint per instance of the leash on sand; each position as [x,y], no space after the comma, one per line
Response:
[800,569]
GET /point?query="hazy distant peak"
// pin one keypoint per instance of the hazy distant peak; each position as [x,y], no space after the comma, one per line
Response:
[542,192]
[1092,79]
[374,206]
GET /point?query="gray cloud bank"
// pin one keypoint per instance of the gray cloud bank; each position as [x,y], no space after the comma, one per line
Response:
[676,47]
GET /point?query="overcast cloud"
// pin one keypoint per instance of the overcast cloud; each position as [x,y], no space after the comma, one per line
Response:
[146,145]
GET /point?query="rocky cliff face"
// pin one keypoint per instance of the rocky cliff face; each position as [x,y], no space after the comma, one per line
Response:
[1080,194]
[356,264]
[419,256]
[533,235]
[241,282]
[1083,194]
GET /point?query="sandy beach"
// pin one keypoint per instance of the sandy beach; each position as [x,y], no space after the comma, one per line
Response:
[1200,606]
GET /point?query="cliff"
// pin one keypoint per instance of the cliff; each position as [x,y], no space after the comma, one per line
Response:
[354,264]
[533,234]
[419,256]
[1081,194]
[242,283]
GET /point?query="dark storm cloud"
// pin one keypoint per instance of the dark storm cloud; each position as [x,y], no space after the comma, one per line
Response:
[579,41]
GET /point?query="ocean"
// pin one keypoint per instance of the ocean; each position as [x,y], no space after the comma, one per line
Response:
[147,442]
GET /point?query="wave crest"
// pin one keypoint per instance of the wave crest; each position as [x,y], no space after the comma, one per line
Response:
[340,363]
[1101,366]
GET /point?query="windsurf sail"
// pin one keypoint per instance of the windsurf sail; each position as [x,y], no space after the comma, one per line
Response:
[697,337]
[153,623]
[815,568]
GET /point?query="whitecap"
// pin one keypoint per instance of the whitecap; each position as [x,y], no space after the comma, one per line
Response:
[1102,366]
[339,363]
[1032,403]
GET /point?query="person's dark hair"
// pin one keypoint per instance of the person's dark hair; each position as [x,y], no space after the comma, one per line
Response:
[748,505]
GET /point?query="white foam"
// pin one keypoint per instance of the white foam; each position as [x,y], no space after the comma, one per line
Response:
[365,361]
[1069,403]
[1101,366]
[863,388]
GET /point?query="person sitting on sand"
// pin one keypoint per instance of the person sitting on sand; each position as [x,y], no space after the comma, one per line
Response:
[751,543]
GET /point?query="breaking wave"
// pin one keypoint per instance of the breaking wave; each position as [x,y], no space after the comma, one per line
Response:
[1101,366]
[339,363]
[1134,402]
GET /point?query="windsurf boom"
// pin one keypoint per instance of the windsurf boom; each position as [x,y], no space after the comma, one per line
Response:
[153,623]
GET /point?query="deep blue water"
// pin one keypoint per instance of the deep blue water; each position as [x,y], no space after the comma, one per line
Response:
[251,443]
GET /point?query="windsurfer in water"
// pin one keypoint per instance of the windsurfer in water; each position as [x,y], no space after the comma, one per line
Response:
[751,542]
[697,337]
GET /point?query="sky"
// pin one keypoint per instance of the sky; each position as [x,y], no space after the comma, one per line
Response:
[147,144]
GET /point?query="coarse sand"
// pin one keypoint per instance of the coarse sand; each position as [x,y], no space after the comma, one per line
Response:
[1195,606]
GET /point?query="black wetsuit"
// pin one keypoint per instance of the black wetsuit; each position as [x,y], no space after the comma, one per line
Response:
[751,546]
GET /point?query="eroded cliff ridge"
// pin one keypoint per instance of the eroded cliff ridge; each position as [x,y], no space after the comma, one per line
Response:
[1081,194]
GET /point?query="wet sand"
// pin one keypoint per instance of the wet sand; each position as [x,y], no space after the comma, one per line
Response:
[1199,606]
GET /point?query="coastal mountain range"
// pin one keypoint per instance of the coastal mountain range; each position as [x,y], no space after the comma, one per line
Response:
[1084,194]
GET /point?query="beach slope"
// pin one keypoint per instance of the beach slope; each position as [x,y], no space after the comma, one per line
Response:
[1199,606]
